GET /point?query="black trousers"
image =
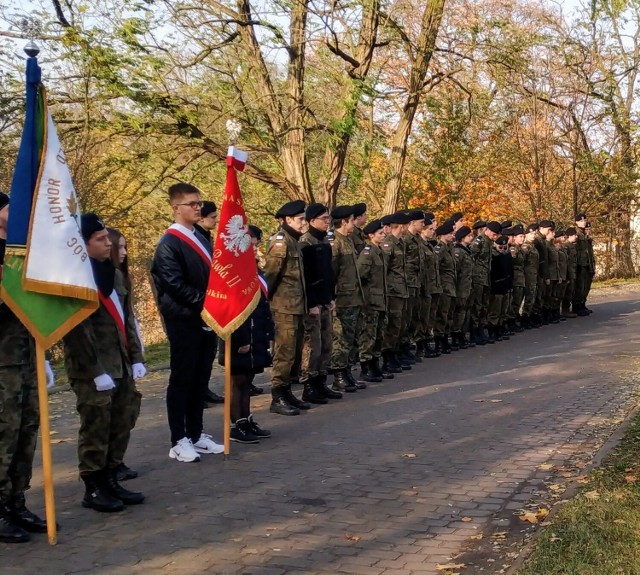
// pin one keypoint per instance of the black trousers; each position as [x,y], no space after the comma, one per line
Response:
[192,350]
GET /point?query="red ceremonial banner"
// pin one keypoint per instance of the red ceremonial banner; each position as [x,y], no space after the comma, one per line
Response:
[234,289]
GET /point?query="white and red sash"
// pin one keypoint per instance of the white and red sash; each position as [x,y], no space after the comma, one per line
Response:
[264,286]
[114,309]
[189,237]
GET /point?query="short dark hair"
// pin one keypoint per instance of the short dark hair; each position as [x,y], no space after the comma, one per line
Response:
[177,191]
[337,223]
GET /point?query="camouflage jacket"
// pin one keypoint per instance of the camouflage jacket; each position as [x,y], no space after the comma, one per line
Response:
[552,262]
[431,272]
[562,263]
[531,264]
[481,253]
[284,274]
[345,270]
[396,274]
[518,265]
[572,261]
[372,267]
[413,259]
[16,344]
[464,270]
[97,346]
[540,244]
[358,239]
[447,267]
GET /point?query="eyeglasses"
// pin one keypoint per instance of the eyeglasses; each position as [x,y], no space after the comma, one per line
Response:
[192,205]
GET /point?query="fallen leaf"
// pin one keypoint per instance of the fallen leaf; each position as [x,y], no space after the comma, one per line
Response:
[449,566]
[542,513]
[56,441]
[620,521]
[546,466]
[582,480]
[467,519]
[556,487]
[630,478]
[53,433]
[554,538]
[499,535]
[409,455]
[592,495]
[529,517]
[496,401]
[628,470]
[354,538]
[476,537]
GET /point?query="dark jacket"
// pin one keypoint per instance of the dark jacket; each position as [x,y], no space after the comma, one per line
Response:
[180,277]
[318,269]
[501,272]
[257,331]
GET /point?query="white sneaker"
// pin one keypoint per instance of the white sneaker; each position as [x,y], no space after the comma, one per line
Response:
[207,445]
[184,451]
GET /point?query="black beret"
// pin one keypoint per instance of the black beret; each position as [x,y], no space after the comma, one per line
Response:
[445,229]
[428,222]
[588,225]
[4,200]
[294,208]
[372,227]
[208,208]
[386,220]
[359,209]
[456,216]
[429,216]
[559,234]
[463,232]
[581,216]
[532,227]
[494,226]
[415,215]
[399,218]
[517,230]
[255,232]
[570,232]
[502,240]
[507,232]
[341,212]
[90,224]
[506,224]
[479,224]
[547,224]
[314,211]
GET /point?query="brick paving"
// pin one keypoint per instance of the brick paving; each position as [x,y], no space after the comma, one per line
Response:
[389,481]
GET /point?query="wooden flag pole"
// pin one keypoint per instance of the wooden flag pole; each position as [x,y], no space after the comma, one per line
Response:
[45,432]
[227,397]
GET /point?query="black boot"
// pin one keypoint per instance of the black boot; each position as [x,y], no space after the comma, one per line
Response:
[353,380]
[280,403]
[390,362]
[23,518]
[430,348]
[127,497]
[387,367]
[374,367]
[125,473]
[255,390]
[468,340]
[293,400]
[9,531]
[476,334]
[444,344]
[256,429]
[241,432]
[420,349]
[97,494]
[401,361]
[326,390]
[312,394]
[367,373]
[453,339]
[462,342]
[489,334]
[212,397]
[342,383]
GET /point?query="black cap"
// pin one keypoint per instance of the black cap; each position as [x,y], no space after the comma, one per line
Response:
[463,232]
[255,232]
[507,231]
[559,234]
[294,208]
[570,231]
[90,224]
[359,209]
[445,229]
[314,211]
[399,218]
[588,226]
[532,227]
[429,216]
[517,230]
[415,215]
[547,224]
[479,224]
[494,226]
[580,216]
[387,220]
[502,240]
[372,227]
[428,222]
[208,208]
[456,216]
[506,224]
[4,200]
[341,212]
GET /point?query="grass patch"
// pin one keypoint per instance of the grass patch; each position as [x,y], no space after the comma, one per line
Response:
[598,531]
[615,282]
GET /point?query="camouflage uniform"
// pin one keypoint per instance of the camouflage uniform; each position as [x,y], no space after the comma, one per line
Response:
[554,277]
[95,347]
[447,300]
[349,300]
[572,263]
[413,267]
[372,268]
[519,282]
[563,273]
[397,292]
[358,238]
[434,286]
[540,243]
[283,272]
[585,268]
[359,241]
[481,253]
[19,413]
[464,281]
[531,270]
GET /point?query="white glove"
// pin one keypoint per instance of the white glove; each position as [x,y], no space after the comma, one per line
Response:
[104,382]
[138,370]
[51,378]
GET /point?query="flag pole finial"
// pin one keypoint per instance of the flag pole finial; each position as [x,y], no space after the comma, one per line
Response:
[31,49]
[234,127]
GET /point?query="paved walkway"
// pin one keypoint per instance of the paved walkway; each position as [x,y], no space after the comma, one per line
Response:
[392,480]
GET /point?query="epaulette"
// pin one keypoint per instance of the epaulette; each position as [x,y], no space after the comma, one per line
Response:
[277,242]
[331,236]
[366,250]
[478,239]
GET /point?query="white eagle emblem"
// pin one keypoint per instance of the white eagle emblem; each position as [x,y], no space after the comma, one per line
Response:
[237,239]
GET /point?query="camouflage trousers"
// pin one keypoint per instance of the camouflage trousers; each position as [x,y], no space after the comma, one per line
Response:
[19,422]
[425,312]
[287,348]
[433,312]
[373,326]
[558,295]
[541,291]
[479,305]
[549,299]
[393,331]
[444,315]
[411,316]
[529,299]
[106,421]
[461,314]
[345,323]
[317,343]
[495,315]
[515,302]
[583,285]
[568,294]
